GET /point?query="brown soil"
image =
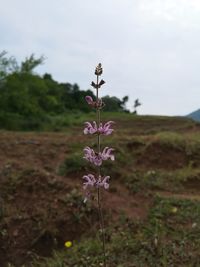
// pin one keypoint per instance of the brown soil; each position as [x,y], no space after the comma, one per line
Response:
[162,156]
[35,216]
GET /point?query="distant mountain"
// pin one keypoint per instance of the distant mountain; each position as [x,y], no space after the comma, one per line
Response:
[195,115]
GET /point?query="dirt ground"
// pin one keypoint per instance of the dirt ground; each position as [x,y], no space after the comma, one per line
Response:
[38,207]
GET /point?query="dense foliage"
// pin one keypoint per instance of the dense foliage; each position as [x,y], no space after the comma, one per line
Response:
[28,100]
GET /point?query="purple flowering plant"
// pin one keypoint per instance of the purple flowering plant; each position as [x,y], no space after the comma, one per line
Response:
[97,181]
[91,128]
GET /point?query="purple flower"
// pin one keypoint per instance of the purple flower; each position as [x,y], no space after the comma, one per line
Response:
[103,182]
[89,153]
[106,154]
[95,104]
[90,129]
[105,129]
[91,156]
[91,182]
[89,100]
[97,158]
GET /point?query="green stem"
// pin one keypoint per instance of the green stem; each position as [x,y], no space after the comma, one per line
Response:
[101,219]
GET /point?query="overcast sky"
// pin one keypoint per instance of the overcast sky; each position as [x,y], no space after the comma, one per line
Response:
[150,49]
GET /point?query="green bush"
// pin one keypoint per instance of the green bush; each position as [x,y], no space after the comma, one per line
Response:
[73,164]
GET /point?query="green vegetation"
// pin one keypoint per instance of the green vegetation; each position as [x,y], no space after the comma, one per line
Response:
[31,102]
[172,227]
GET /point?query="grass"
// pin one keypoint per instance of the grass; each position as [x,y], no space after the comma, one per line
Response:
[162,240]
[126,122]
[158,149]
[73,164]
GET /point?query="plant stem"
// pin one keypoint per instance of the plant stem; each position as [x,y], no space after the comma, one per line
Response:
[101,219]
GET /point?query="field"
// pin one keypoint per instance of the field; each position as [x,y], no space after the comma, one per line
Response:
[152,209]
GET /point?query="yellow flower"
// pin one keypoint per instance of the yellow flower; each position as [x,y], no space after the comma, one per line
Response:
[68,244]
[174,210]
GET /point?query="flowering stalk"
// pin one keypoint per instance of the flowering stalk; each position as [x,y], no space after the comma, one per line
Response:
[97,158]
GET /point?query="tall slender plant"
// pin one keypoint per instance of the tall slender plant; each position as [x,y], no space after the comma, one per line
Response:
[97,181]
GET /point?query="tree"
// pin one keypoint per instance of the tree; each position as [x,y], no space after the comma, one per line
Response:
[8,65]
[31,63]
[112,103]
[136,104]
[124,101]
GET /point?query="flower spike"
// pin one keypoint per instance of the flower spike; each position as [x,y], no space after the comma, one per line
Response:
[98,70]
[91,181]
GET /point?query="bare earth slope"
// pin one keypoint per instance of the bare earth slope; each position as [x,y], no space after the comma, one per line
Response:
[40,181]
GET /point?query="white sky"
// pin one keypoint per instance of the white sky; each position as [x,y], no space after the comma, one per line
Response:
[150,49]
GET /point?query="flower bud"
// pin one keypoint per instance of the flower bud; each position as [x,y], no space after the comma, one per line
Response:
[93,84]
[98,70]
[101,83]
[89,100]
